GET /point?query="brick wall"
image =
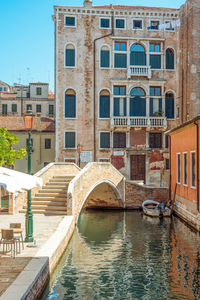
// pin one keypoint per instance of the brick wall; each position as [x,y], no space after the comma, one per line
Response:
[137,137]
[136,194]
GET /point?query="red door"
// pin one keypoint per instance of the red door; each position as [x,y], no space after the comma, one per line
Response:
[138,167]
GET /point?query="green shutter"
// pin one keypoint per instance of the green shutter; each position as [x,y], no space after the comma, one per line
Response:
[120,60]
[105,59]
[170,61]
[137,58]
[70,106]
[69,139]
[70,58]
[155,61]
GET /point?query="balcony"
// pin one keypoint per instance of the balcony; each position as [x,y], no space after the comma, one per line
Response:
[139,122]
[139,71]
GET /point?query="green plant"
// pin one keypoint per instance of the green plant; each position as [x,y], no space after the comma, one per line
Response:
[7,152]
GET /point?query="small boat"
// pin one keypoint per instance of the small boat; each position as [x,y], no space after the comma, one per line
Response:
[155,209]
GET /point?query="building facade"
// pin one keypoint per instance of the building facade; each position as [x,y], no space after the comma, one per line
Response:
[117,81]
[43,141]
[185,170]
[19,99]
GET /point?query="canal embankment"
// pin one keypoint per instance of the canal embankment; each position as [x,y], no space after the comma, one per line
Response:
[26,276]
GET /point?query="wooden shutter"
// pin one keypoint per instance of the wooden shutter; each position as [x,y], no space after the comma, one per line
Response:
[70,58]
[105,58]
[70,106]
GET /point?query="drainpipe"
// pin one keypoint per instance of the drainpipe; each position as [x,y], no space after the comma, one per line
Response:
[197,168]
[94,77]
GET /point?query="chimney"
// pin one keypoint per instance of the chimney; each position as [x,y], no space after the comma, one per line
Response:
[87,3]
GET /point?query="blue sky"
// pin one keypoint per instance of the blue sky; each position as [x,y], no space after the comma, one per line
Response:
[27,36]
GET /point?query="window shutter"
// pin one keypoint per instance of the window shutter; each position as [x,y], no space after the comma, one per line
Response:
[169,106]
[169,61]
[70,58]
[155,61]
[151,107]
[120,60]
[104,140]
[70,106]
[124,106]
[116,107]
[69,139]
[105,58]
[104,107]
[119,140]
[160,105]
[137,58]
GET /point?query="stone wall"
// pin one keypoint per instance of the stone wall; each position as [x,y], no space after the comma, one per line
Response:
[136,194]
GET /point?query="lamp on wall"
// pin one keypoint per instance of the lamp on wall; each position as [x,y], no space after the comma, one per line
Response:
[29,123]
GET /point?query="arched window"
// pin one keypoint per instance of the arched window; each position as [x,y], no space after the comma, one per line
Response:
[137,55]
[169,59]
[105,57]
[137,102]
[104,104]
[70,56]
[169,105]
[70,104]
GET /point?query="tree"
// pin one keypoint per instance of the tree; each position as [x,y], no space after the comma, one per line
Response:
[7,152]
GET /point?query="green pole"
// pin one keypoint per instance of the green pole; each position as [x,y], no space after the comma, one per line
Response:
[29,214]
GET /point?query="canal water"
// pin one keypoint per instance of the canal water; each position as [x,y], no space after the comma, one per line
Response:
[126,255]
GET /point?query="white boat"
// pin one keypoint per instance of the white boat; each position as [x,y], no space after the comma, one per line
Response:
[155,209]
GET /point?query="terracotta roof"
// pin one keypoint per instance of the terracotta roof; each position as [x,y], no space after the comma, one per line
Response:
[14,123]
[8,95]
[38,83]
[197,118]
[130,7]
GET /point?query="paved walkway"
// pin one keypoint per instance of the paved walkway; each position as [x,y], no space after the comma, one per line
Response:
[44,227]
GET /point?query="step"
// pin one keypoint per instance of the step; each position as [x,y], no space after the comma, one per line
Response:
[49,198]
[51,194]
[63,208]
[51,203]
[54,190]
[63,177]
[56,184]
[46,212]
[59,180]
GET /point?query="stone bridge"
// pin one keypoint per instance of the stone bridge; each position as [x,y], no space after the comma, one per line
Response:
[96,185]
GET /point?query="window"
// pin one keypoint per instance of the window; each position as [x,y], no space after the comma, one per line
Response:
[166,141]
[119,108]
[178,166]
[137,102]
[51,109]
[193,169]
[47,143]
[169,25]
[70,56]
[104,23]
[70,21]
[185,171]
[167,165]
[38,108]
[70,139]
[119,140]
[154,25]
[120,59]
[155,101]
[38,91]
[14,108]
[137,55]
[104,140]
[169,105]
[104,104]
[70,104]
[28,107]
[137,24]
[155,59]
[105,57]
[155,140]
[4,109]
[120,46]
[120,23]
[169,59]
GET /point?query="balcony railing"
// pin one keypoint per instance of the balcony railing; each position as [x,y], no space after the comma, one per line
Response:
[139,71]
[139,121]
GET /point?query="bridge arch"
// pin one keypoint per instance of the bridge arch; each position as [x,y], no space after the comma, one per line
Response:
[97,185]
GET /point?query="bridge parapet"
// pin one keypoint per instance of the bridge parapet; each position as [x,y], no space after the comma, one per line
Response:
[92,176]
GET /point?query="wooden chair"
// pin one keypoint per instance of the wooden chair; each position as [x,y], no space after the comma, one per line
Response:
[18,235]
[7,239]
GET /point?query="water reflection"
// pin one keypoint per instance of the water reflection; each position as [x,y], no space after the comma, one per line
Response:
[125,255]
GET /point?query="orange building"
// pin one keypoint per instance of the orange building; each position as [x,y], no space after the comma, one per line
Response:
[185,168]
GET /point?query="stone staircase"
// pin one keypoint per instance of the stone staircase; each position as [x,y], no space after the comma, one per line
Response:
[52,198]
